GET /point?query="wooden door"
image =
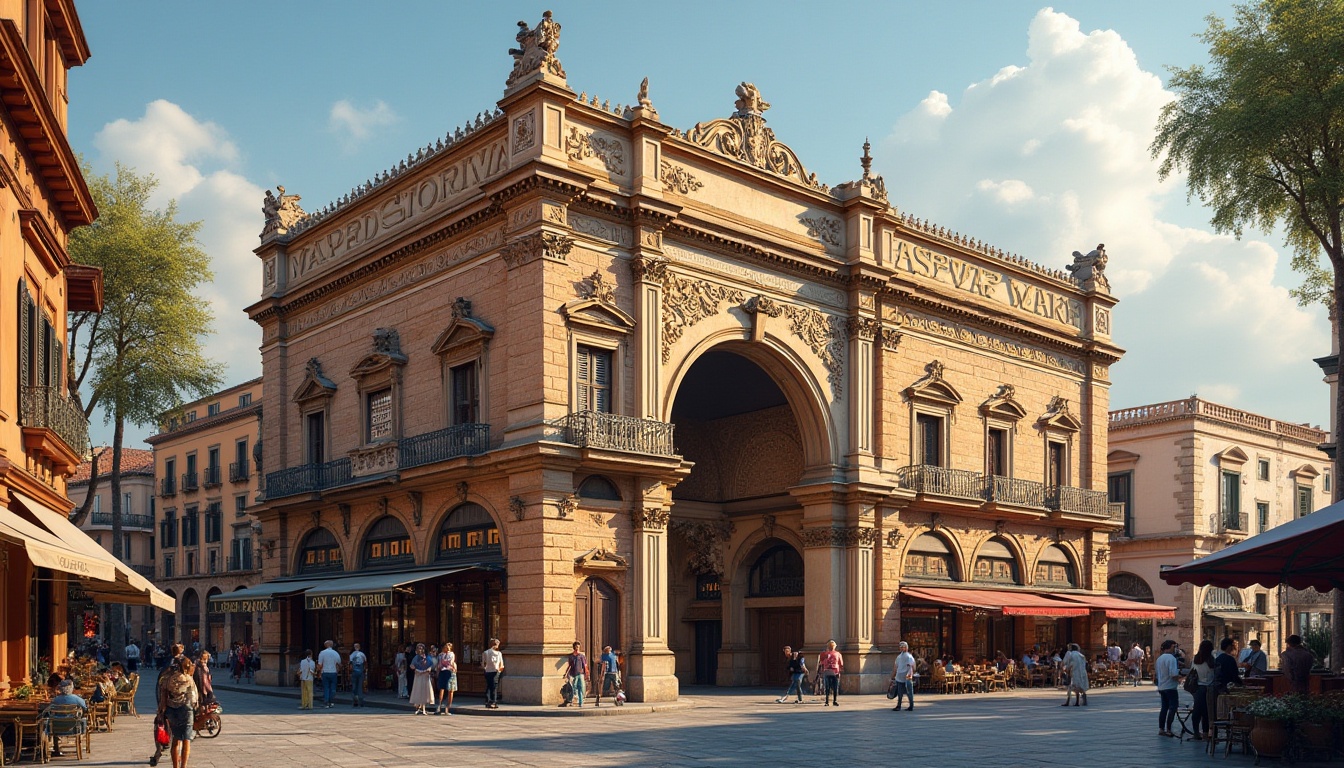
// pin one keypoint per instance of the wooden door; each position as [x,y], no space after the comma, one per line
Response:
[708,638]
[596,619]
[779,628]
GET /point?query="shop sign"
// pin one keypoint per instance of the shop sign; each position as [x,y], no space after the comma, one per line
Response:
[242,605]
[381,599]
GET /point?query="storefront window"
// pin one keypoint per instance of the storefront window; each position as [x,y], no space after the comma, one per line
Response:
[320,552]
[995,564]
[469,532]
[387,543]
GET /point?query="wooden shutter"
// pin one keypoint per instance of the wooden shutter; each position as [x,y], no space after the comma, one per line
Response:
[24,345]
[601,380]
[583,373]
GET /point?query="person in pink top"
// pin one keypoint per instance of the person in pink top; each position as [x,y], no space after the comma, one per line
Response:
[831,664]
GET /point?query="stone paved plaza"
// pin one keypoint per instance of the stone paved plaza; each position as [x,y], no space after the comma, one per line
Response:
[720,728]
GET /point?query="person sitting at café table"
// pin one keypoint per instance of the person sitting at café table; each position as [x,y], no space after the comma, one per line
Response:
[65,696]
[1255,663]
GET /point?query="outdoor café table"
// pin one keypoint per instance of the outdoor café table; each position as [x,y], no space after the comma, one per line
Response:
[1183,717]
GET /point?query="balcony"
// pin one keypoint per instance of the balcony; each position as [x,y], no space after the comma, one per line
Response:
[138,522]
[444,444]
[168,487]
[238,472]
[211,479]
[941,481]
[308,478]
[190,482]
[1233,522]
[243,563]
[1063,498]
[53,426]
[997,489]
[1011,490]
[593,429]
[144,570]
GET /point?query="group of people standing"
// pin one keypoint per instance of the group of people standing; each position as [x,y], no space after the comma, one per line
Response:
[426,676]
[830,664]
[576,677]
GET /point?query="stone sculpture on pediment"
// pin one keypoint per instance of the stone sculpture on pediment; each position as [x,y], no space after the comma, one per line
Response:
[596,288]
[746,138]
[1090,266]
[536,50]
[281,211]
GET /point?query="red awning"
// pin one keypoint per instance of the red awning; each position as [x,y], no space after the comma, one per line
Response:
[1120,608]
[1010,602]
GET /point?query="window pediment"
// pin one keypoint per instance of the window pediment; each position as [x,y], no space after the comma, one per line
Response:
[1003,405]
[464,331]
[1057,416]
[386,354]
[596,306]
[600,560]
[1305,472]
[315,385]
[1232,457]
[933,388]
[1119,456]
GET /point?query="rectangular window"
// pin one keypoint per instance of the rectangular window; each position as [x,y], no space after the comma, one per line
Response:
[239,506]
[191,522]
[1325,482]
[212,409]
[214,561]
[244,399]
[996,452]
[126,504]
[214,524]
[239,471]
[1262,604]
[316,434]
[1305,502]
[168,566]
[1120,490]
[1263,469]
[98,504]
[1056,468]
[212,474]
[1231,501]
[191,463]
[379,415]
[1262,516]
[466,398]
[594,379]
[191,565]
[191,416]
[126,546]
[929,437]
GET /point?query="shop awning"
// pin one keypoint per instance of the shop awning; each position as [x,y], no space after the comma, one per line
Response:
[127,587]
[259,597]
[372,590]
[47,551]
[1247,616]
[1120,608]
[1009,602]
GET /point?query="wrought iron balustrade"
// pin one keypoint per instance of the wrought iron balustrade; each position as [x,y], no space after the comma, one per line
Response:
[238,472]
[942,481]
[211,476]
[594,429]
[1065,498]
[47,408]
[168,486]
[1116,511]
[1234,522]
[443,444]
[307,478]
[1012,490]
[144,570]
[778,586]
[139,522]
[190,482]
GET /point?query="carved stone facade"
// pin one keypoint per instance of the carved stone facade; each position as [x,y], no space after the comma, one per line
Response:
[700,394]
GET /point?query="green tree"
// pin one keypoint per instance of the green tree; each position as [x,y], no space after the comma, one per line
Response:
[142,355]
[1260,135]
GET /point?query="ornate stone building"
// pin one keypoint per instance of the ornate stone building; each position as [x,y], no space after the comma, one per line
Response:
[1192,477]
[571,372]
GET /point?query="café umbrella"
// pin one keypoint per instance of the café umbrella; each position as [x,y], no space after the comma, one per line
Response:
[1307,552]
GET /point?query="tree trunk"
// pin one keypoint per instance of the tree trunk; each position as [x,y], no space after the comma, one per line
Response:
[1336,432]
[116,613]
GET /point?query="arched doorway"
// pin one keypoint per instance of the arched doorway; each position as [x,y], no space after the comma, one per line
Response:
[597,618]
[1126,632]
[240,624]
[775,576]
[191,620]
[169,629]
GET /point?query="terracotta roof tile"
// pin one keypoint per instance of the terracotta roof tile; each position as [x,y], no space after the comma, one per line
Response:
[134,461]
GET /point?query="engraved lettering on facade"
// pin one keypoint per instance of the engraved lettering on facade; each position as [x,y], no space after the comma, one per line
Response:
[995,343]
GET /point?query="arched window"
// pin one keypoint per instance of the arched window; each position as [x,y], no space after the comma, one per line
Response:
[1222,598]
[469,532]
[778,572]
[387,543]
[1054,569]
[599,487]
[319,553]
[929,558]
[995,564]
[1130,586]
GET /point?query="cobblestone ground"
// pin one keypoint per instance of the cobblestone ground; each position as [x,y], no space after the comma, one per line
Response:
[721,728]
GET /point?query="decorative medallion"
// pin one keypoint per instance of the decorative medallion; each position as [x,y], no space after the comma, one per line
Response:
[524,132]
[704,541]
[678,179]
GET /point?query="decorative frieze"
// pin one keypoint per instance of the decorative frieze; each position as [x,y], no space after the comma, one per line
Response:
[823,228]
[650,518]
[853,536]
[687,302]
[602,230]
[992,342]
[580,146]
[374,460]
[539,245]
[825,335]
[678,179]
[704,541]
[858,536]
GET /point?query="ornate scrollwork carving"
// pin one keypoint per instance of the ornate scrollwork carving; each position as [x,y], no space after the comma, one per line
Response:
[526,250]
[678,179]
[866,328]
[650,518]
[859,536]
[891,339]
[649,268]
[1101,556]
[580,145]
[825,335]
[687,302]
[536,50]
[596,287]
[822,537]
[704,540]
[745,137]
[762,305]
[518,507]
[823,228]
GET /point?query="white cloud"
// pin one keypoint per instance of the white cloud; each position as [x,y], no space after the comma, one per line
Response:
[1052,157]
[355,125]
[195,162]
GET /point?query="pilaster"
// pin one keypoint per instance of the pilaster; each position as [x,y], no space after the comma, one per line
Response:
[651,672]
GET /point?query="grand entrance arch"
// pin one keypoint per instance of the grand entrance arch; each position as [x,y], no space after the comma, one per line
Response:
[754,428]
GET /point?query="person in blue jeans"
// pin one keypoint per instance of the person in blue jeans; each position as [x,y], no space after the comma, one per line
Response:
[903,676]
[576,672]
[358,663]
[329,664]
[797,674]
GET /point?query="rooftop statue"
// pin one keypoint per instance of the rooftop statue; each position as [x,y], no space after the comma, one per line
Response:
[282,211]
[1090,267]
[749,100]
[536,50]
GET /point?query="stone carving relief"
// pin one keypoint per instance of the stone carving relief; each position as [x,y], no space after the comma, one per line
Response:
[686,302]
[762,305]
[580,145]
[567,506]
[345,518]
[1101,321]
[825,335]
[859,536]
[650,519]
[524,132]
[991,342]
[282,211]
[1090,266]
[745,137]
[678,179]
[866,328]
[596,287]
[891,339]
[649,267]
[643,98]
[417,506]
[768,523]
[518,507]
[462,490]
[601,230]
[536,50]
[822,537]
[822,228]
[526,250]
[704,541]
[894,539]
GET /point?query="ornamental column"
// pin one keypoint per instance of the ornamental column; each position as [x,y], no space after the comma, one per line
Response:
[650,666]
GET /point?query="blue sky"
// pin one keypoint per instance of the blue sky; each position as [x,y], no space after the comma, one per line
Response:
[1018,123]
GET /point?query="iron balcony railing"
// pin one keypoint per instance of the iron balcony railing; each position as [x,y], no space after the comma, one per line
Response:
[443,444]
[308,478]
[144,570]
[238,472]
[1012,490]
[243,563]
[941,481]
[594,429]
[190,482]
[168,486]
[211,478]
[1234,522]
[139,522]
[47,408]
[1116,511]
[1064,498]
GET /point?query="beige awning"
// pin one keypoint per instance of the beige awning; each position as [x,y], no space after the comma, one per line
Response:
[127,587]
[1234,615]
[48,551]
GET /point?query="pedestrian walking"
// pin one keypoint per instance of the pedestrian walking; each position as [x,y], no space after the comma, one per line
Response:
[492,663]
[401,664]
[576,673]
[307,671]
[1074,664]
[611,675]
[903,676]
[831,664]
[358,664]
[447,666]
[797,673]
[329,665]
[133,656]
[1166,673]
[178,697]
[422,691]
[1134,663]
[239,663]
[204,679]
[176,651]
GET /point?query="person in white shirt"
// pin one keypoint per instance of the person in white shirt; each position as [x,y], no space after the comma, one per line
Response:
[359,664]
[492,661]
[329,664]
[1113,653]
[306,671]
[133,657]
[1135,663]
[903,676]
[1167,671]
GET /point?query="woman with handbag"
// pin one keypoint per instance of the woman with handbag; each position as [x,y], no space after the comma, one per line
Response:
[1201,671]
[178,699]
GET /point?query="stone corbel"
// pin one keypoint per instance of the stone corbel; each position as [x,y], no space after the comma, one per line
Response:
[345,518]
[462,490]
[518,507]
[417,505]
[317,518]
[760,307]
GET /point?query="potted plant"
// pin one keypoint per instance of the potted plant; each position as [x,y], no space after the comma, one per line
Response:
[1272,717]
[22,693]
